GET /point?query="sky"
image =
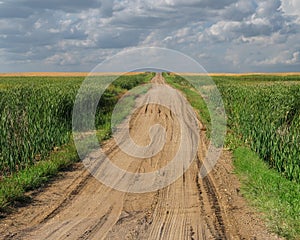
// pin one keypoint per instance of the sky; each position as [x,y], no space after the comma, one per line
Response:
[222,35]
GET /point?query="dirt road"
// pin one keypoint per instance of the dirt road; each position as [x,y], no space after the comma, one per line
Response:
[77,206]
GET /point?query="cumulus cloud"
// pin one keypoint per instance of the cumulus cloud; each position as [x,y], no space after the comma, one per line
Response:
[229,35]
[283,58]
[291,7]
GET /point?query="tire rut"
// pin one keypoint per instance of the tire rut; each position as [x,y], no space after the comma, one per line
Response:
[68,198]
[94,229]
[211,206]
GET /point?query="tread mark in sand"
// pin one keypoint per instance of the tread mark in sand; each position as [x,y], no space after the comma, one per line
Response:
[219,231]
[89,233]
[192,233]
[211,192]
[75,192]
[161,231]
[67,200]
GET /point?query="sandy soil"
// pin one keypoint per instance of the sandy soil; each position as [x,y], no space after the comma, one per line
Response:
[77,206]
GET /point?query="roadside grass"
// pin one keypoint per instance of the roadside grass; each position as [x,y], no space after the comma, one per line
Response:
[13,187]
[271,194]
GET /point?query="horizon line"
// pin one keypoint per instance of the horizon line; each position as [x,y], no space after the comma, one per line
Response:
[83,74]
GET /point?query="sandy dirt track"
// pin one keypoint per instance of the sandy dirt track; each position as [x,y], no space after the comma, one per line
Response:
[77,206]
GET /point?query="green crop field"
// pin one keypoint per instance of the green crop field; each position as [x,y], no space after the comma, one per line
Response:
[36,115]
[266,116]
